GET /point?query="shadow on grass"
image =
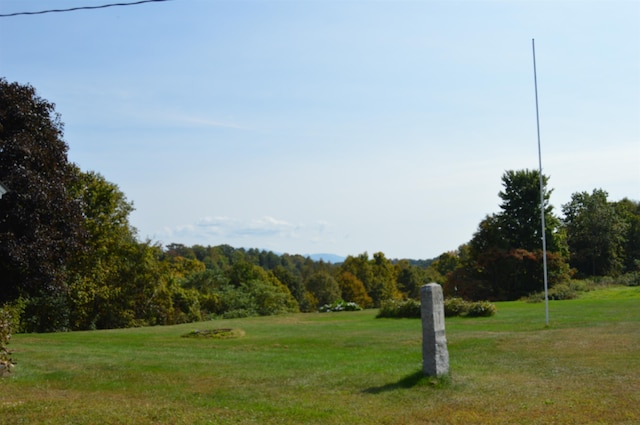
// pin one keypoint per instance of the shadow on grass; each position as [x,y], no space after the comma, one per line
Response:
[412,380]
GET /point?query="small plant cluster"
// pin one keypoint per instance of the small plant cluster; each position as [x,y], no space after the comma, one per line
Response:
[340,305]
[408,308]
[6,364]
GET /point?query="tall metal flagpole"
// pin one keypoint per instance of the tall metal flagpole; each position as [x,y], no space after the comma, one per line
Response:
[544,237]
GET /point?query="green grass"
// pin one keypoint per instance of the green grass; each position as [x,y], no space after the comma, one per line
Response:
[341,368]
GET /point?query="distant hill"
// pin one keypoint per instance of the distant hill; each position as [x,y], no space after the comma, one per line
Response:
[327,258]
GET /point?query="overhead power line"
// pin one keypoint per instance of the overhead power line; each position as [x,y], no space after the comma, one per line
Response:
[73,9]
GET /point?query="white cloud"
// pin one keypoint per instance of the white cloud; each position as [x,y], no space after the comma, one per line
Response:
[228,229]
[265,232]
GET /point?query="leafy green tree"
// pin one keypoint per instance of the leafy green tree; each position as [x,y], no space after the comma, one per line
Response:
[360,267]
[324,287]
[292,280]
[207,284]
[95,273]
[384,285]
[180,250]
[446,263]
[411,278]
[505,254]
[257,292]
[596,234]
[630,211]
[378,275]
[352,289]
[40,222]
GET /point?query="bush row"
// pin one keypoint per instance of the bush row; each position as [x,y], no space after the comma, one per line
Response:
[452,307]
[459,307]
[398,309]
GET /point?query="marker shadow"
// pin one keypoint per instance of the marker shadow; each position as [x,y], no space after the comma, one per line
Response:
[408,381]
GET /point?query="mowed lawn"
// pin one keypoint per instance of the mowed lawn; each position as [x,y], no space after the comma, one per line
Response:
[341,368]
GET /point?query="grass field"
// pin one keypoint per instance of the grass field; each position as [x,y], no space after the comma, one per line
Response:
[341,368]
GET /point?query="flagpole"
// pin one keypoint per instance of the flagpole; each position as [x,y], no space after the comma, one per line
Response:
[544,237]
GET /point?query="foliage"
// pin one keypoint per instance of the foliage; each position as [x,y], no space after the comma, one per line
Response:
[630,279]
[6,363]
[627,279]
[353,289]
[408,308]
[99,273]
[564,291]
[481,309]
[505,258]
[596,234]
[255,298]
[456,306]
[340,305]
[444,265]
[629,211]
[410,278]
[520,219]
[324,287]
[378,276]
[40,221]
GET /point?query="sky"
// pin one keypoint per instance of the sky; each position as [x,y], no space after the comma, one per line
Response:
[334,126]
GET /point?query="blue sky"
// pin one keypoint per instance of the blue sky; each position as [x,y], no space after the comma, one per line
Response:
[335,126]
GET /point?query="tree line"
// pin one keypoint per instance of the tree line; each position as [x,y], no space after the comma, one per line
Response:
[70,259]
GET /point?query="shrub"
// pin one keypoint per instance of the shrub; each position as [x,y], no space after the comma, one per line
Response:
[239,313]
[481,309]
[255,298]
[630,279]
[340,306]
[452,307]
[563,291]
[455,307]
[398,309]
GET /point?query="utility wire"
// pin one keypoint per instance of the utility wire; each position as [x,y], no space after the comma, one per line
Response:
[6,15]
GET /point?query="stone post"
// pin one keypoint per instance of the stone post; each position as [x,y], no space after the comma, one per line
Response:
[435,356]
